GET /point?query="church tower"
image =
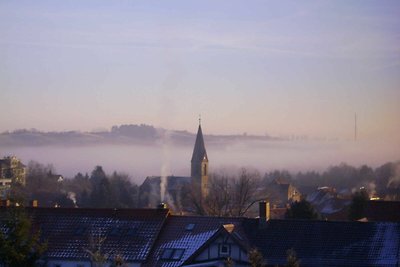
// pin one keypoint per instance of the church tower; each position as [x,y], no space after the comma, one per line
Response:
[199,167]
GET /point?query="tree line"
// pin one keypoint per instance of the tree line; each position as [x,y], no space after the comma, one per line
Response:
[229,194]
[97,190]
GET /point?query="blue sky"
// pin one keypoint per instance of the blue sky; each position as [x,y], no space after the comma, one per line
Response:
[276,67]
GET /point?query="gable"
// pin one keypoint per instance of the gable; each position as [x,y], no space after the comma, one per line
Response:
[221,248]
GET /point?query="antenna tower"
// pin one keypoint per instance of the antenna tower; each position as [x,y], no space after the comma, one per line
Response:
[355,127]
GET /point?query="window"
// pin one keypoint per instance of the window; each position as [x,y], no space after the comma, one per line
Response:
[178,253]
[167,254]
[205,169]
[224,249]
[131,231]
[172,254]
[80,230]
[190,227]
[116,231]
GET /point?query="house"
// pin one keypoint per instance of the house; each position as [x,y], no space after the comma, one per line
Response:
[329,204]
[282,193]
[326,243]
[156,189]
[72,234]
[387,211]
[12,171]
[199,241]
[154,237]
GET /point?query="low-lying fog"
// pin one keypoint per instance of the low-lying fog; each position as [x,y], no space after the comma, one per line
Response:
[140,161]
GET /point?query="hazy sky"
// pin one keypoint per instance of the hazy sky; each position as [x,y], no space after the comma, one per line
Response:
[276,67]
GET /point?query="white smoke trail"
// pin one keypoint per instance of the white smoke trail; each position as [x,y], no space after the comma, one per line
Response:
[72,196]
[165,166]
[394,181]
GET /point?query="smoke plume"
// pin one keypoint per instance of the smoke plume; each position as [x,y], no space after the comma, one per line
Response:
[394,181]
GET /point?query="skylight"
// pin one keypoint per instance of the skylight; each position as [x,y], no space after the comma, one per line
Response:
[172,254]
[190,227]
[131,231]
[178,253]
[167,254]
[116,231]
[80,230]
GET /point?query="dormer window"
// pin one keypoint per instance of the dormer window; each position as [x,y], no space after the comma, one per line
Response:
[172,254]
[80,230]
[224,249]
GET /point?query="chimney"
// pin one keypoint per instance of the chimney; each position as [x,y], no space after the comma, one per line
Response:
[264,213]
[34,203]
[5,203]
[162,206]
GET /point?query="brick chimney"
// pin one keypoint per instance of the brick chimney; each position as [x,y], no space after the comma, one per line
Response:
[264,213]
[34,203]
[162,206]
[5,203]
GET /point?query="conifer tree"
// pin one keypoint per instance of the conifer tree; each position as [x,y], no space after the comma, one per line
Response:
[20,244]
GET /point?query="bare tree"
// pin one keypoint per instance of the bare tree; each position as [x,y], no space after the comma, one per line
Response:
[244,191]
[97,256]
[219,197]
[256,258]
[229,195]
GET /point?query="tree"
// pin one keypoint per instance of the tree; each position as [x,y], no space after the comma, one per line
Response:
[43,185]
[283,174]
[342,176]
[219,197]
[244,191]
[101,189]
[230,195]
[292,260]
[124,192]
[301,210]
[20,244]
[102,194]
[358,205]
[256,258]
[229,262]
[118,261]
[97,256]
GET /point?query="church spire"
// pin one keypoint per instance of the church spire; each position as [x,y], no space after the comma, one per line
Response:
[199,151]
[199,166]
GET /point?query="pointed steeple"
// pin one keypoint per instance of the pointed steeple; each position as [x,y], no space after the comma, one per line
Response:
[199,166]
[199,151]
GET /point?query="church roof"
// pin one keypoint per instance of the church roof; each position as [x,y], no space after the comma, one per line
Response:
[199,151]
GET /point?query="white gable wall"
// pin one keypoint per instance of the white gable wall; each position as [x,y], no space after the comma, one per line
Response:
[213,251]
[64,263]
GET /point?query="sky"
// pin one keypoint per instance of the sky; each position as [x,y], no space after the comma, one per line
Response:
[262,67]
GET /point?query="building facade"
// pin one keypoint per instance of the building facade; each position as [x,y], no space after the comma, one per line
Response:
[12,171]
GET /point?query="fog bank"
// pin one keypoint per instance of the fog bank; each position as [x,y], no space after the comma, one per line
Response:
[140,161]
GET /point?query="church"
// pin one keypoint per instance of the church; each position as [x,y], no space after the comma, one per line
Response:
[171,189]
